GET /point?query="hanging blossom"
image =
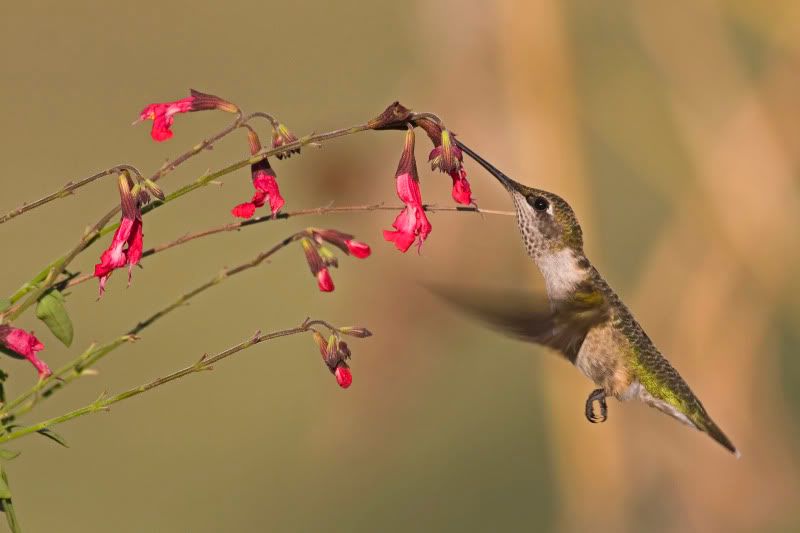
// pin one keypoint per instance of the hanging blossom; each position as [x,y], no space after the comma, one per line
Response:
[318,265]
[264,181]
[20,343]
[162,114]
[411,224]
[447,157]
[320,258]
[335,352]
[128,240]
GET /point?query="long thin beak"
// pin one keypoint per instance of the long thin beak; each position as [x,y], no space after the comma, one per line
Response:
[507,182]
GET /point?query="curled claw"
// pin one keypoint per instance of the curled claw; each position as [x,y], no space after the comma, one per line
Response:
[597,395]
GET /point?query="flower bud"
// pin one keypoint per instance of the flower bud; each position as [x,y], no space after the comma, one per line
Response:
[358,332]
[343,241]
[281,136]
[324,280]
[343,376]
[394,117]
[321,343]
[202,101]
[127,198]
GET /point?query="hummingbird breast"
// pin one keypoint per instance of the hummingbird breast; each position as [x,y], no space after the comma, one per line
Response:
[601,359]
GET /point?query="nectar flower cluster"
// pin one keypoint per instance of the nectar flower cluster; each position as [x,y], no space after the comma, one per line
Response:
[20,343]
[335,352]
[447,157]
[163,114]
[320,258]
[411,224]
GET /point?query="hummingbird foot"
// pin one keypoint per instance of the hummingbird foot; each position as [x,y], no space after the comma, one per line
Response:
[597,395]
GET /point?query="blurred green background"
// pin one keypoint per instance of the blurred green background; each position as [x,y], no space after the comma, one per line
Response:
[673,130]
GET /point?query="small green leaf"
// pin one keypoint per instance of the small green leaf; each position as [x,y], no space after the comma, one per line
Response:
[3,377]
[5,303]
[5,492]
[8,455]
[52,312]
[52,435]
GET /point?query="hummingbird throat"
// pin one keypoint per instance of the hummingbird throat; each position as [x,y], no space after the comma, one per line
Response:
[563,271]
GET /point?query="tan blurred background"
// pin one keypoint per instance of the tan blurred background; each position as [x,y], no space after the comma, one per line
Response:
[673,129]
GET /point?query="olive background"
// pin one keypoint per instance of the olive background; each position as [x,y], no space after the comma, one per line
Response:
[671,128]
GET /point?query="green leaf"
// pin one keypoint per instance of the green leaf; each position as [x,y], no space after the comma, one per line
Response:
[52,435]
[8,455]
[5,303]
[6,505]
[5,492]
[3,377]
[52,312]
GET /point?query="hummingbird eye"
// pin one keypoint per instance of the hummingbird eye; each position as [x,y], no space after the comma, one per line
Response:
[539,203]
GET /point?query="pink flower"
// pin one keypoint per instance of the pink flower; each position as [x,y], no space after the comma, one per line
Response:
[447,157]
[324,280]
[358,248]
[344,241]
[162,114]
[319,265]
[266,191]
[461,189]
[411,224]
[25,344]
[343,376]
[125,248]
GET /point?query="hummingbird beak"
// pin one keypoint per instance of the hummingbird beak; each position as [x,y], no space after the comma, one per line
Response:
[507,182]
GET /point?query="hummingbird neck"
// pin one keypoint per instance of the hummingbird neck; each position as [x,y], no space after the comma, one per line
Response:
[563,271]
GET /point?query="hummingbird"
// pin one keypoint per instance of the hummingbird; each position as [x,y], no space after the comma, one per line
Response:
[581,317]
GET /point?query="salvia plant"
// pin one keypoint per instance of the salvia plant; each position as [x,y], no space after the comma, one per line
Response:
[121,231]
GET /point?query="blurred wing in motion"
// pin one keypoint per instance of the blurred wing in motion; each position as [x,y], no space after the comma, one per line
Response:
[530,316]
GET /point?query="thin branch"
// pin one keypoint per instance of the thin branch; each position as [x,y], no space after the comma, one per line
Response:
[237,225]
[67,190]
[47,278]
[204,363]
[75,368]
[216,280]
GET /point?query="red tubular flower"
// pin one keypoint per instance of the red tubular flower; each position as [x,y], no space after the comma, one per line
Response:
[324,280]
[447,157]
[126,248]
[461,189]
[266,190]
[24,344]
[344,241]
[318,265]
[162,114]
[127,243]
[358,248]
[411,224]
[343,376]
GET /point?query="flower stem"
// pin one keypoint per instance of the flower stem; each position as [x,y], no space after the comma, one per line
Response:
[92,355]
[61,377]
[237,225]
[47,278]
[66,190]
[204,363]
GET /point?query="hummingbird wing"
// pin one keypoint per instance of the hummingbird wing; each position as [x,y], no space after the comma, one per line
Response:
[531,317]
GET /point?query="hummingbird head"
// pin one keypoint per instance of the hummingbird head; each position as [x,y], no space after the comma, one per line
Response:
[546,221]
